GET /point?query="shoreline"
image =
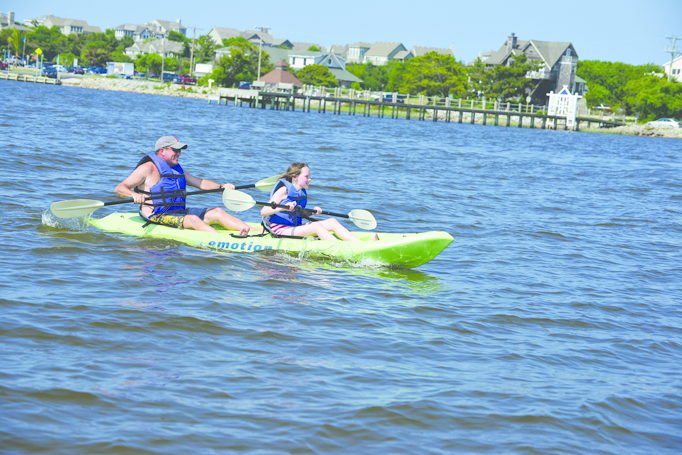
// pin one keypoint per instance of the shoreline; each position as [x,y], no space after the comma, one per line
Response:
[208,94]
[141,86]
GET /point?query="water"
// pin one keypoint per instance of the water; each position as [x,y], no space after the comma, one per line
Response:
[552,325]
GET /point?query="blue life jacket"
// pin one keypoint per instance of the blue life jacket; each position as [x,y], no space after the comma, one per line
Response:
[169,192]
[299,196]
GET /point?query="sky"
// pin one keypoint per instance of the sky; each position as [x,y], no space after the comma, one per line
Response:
[628,31]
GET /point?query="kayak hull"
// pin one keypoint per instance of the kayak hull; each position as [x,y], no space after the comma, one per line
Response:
[392,249]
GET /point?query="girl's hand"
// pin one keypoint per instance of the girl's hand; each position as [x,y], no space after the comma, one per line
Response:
[317,210]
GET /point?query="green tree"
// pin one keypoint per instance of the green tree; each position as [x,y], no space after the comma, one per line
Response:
[95,53]
[241,64]
[609,80]
[15,41]
[118,56]
[204,49]
[49,40]
[66,58]
[598,95]
[149,63]
[433,74]
[316,75]
[509,82]
[395,72]
[652,97]
[373,77]
[314,48]
[177,37]
[476,78]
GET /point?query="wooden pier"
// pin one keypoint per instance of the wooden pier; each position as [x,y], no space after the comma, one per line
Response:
[459,111]
[26,77]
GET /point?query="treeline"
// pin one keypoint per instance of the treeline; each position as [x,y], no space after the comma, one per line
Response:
[640,90]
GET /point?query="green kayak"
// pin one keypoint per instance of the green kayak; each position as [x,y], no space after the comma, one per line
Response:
[392,249]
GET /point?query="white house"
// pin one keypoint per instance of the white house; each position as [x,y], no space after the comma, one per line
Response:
[162,47]
[382,53]
[673,68]
[154,29]
[66,26]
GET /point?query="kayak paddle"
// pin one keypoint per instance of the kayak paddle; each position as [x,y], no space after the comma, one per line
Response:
[82,207]
[238,201]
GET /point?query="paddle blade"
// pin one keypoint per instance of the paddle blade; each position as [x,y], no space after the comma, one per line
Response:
[266,184]
[75,208]
[237,201]
[362,219]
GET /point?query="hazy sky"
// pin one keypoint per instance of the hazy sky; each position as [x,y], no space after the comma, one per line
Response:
[629,31]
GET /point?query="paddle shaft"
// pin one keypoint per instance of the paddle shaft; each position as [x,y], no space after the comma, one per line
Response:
[214,190]
[301,209]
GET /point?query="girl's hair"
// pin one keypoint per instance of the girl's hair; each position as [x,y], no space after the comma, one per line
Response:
[293,171]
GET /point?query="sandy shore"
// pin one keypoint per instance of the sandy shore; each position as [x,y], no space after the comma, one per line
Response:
[141,86]
[640,130]
[187,91]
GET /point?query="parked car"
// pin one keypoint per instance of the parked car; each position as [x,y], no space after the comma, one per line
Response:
[96,70]
[49,71]
[169,77]
[665,123]
[186,79]
[3,66]
[388,98]
[78,70]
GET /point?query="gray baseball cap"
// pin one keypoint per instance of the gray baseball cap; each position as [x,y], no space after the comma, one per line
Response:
[169,141]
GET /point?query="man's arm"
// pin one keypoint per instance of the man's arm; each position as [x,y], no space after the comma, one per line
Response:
[205,184]
[136,178]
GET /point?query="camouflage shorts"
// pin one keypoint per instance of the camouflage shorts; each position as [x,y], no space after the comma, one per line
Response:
[176,217]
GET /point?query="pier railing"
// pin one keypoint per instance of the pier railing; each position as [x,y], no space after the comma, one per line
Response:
[395,105]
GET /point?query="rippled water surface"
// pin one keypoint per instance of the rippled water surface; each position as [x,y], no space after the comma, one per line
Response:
[552,325]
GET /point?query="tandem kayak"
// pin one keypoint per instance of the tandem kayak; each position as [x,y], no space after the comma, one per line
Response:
[392,249]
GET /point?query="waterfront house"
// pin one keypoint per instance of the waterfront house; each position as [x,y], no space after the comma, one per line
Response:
[163,47]
[335,63]
[65,26]
[673,68]
[136,32]
[7,21]
[155,29]
[355,53]
[299,46]
[558,61]
[419,51]
[260,38]
[218,34]
[381,53]
[162,28]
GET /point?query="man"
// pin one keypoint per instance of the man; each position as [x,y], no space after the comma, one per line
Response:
[159,183]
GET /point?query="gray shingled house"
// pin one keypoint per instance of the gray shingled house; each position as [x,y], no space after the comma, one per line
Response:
[558,64]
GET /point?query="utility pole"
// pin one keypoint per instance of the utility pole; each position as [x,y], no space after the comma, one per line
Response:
[163,56]
[191,50]
[673,53]
[260,45]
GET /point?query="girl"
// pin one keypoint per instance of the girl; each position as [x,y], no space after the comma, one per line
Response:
[292,190]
